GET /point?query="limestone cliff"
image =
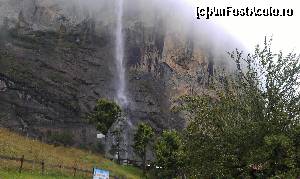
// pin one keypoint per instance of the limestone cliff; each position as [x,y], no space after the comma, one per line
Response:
[57,60]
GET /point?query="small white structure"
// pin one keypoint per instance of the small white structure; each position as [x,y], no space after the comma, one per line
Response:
[100,136]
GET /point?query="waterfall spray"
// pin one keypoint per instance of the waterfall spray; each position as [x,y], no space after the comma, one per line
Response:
[121,96]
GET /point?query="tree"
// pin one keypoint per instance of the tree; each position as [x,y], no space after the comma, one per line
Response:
[104,115]
[249,128]
[142,138]
[118,142]
[169,154]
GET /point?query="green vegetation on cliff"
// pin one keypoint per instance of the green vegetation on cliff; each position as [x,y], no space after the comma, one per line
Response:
[105,113]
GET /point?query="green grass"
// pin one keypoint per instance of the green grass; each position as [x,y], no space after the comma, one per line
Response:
[15,145]
[32,175]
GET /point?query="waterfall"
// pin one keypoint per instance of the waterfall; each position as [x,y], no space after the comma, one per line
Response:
[121,96]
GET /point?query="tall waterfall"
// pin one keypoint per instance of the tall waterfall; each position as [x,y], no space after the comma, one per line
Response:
[121,96]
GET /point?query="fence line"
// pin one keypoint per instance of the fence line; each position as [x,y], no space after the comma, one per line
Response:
[75,169]
[43,165]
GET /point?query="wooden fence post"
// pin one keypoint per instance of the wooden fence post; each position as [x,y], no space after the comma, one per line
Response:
[74,171]
[21,165]
[43,167]
[60,168]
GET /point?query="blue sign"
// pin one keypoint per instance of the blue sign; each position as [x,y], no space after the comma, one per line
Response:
[100,174]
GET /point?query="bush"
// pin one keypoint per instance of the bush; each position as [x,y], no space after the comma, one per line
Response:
[64,138]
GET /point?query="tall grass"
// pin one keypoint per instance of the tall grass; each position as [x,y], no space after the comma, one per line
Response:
[10,174]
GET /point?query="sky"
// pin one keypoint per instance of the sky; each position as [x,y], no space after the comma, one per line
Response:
[251,31]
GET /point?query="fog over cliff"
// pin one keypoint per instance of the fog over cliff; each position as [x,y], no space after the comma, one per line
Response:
[176,15]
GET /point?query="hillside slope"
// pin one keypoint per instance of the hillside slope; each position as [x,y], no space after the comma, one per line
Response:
[14,145]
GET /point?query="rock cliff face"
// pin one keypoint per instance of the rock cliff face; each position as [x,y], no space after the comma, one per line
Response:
[56,60]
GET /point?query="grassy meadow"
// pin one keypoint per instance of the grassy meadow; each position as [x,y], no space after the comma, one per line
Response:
[15,145]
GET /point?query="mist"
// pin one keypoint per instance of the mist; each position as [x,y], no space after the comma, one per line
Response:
[177,16]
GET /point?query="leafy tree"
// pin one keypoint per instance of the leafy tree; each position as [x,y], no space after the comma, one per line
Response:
[104,115]
[280,154]
[142,138]
[249,128]
[169,154]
